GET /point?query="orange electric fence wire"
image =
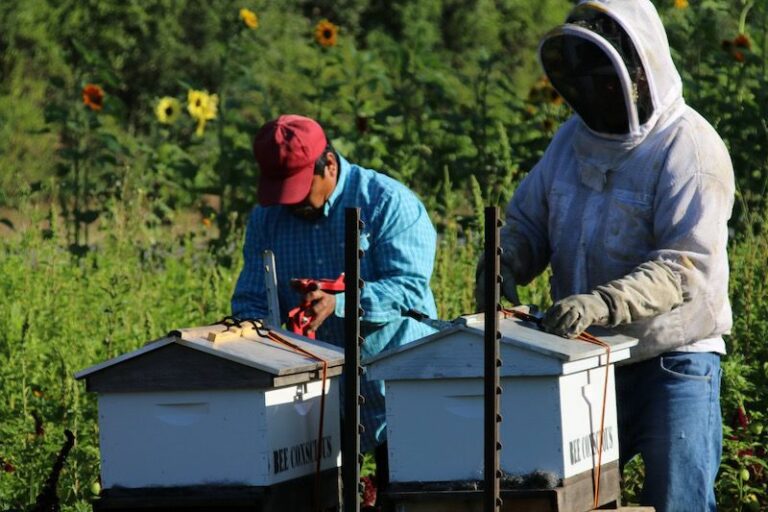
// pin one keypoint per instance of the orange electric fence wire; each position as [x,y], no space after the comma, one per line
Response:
[584,336]
[272,335]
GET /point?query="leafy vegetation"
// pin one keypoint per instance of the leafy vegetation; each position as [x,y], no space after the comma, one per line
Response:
[126,174]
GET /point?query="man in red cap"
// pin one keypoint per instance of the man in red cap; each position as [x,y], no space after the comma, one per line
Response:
[286,150]
[304,189]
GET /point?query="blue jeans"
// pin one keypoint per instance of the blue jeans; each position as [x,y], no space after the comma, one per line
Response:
[669,413]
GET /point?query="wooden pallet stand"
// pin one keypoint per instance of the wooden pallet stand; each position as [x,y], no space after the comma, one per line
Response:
[576,494]
[459,504]
[294,495]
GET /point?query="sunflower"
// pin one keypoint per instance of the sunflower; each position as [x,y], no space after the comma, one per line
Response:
[681,4]
[168,110]
[325,33]
[542,91]
[736,47]
[742,41]
[93,96]
[202,106]
[249,18]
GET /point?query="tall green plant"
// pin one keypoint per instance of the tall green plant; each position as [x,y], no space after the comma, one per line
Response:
[62,315]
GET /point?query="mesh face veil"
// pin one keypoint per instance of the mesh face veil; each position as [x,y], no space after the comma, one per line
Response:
[584,75]
[607,27]
[592,62]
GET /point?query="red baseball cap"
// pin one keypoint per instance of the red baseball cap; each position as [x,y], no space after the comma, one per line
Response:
[286,149]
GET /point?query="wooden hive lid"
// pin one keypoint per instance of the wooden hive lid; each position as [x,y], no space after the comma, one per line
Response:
[186,359]
[252,349]
[522,339]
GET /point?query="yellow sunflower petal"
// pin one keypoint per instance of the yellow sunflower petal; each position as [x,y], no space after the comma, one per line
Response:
[202,107]
[168,110]
[211,106]
[250,18]
[198,103]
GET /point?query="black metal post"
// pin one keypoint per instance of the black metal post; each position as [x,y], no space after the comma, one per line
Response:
[351,459]
[491,384]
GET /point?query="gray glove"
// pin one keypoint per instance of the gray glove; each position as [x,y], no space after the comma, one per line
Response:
[508,285]
[651,289]
[570,316]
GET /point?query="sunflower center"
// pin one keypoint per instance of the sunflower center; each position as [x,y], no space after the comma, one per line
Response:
[327,33]
[168,111]
[198,103]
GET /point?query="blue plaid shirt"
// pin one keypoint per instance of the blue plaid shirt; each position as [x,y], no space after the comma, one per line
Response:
[399,244]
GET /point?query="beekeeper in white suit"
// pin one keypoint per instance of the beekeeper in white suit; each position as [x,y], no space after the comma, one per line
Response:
[629,205]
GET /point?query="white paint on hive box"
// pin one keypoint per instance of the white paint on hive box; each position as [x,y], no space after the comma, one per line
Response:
[581,396]
[435,428]
[223,437]
[547,425]
[551,403]
[240,410]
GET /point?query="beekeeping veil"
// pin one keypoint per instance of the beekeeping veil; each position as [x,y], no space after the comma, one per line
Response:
[610,61]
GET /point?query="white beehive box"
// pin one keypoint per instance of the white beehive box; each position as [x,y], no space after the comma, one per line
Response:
[551,402]
[185,411]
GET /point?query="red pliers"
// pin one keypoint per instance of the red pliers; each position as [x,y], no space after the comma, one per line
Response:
[300,317]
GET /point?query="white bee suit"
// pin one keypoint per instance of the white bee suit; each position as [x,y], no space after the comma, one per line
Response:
[639,217]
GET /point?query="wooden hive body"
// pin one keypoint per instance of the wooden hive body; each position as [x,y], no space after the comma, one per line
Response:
[551,403]
[183,411]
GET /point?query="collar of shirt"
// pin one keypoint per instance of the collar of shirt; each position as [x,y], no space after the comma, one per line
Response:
[340,182]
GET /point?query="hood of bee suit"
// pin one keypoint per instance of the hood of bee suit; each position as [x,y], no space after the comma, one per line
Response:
[611,62]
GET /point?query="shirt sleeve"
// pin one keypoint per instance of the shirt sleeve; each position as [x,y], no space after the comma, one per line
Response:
[692,206]
[524,237]
[402,247]
[249,299]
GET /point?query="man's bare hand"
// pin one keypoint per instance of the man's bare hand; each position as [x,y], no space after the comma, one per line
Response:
[323,306]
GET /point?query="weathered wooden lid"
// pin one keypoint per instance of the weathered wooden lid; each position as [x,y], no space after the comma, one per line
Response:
[457,352]
[186,359]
